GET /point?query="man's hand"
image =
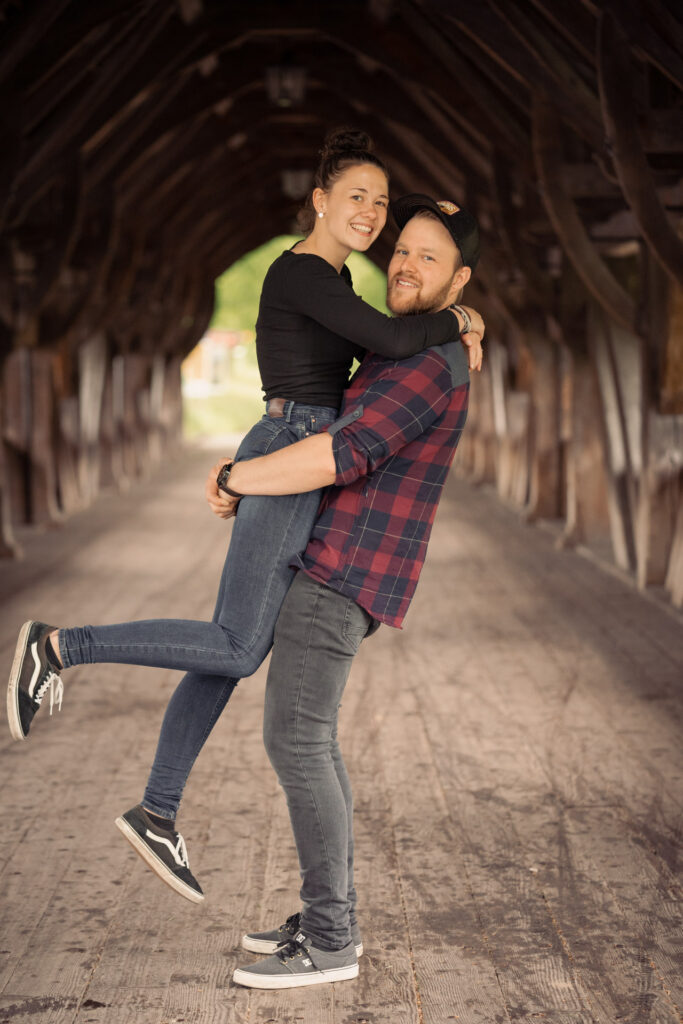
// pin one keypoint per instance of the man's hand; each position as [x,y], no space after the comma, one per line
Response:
[473,338]
[221,504]
[475,351]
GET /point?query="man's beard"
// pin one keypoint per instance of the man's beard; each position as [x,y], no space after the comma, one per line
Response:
[433,305]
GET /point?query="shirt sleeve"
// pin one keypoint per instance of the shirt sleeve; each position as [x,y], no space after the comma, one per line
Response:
[392,412]
[314,288]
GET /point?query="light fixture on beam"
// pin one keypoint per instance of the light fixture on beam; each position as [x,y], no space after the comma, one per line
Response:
[286,85]
[296,184]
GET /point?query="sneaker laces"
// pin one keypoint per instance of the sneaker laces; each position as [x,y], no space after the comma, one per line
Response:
[56,687]
[291,925]
[290,950]
[181,851]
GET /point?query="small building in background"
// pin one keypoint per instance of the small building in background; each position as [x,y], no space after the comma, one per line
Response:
[209,367]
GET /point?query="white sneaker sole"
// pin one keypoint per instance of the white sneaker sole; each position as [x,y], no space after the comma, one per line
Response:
[156,863]
[13,686]
[244,977]
[267,946]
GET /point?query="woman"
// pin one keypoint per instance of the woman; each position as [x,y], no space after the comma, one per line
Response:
[309,329]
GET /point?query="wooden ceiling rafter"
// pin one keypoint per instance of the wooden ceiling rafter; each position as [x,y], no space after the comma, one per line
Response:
[575,99]
[52,91]
[387,103]
[22,36]
[571,21]
[615,75]
[387,44]
[648,43]
[518,252]
[488,99]
[580,250]
[72,124]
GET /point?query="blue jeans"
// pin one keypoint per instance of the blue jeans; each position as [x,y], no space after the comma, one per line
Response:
[268,533]
[316,637]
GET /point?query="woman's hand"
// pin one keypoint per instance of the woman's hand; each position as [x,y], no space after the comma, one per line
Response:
[472,340]
[221,504]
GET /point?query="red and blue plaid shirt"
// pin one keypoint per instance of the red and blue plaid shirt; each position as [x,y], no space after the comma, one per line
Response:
[399,426]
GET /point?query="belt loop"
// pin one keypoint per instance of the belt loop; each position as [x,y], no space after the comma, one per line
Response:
[288,410]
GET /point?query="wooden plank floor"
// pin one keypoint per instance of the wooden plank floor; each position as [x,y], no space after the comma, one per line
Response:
[517,759]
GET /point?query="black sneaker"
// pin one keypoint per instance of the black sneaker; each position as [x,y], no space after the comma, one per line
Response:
[297,963]
[269,942]
[163,851]
[32,675]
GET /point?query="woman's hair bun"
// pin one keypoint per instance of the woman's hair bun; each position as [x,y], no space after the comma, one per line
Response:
[346,140]
[342,148]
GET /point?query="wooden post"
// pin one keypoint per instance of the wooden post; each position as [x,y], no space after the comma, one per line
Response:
[616,446]
[16,431]
[659,498]
[9,546]
[674,576]
[588,515]
[92,371]
[544,442]
[671,357]
[42,474]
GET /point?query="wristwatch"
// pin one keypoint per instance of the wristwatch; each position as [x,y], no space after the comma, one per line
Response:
[467,323]
[222,480]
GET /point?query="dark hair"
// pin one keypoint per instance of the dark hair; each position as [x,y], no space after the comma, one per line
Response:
[342,148]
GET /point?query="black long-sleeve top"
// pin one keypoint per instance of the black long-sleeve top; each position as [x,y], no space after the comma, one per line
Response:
[311,325]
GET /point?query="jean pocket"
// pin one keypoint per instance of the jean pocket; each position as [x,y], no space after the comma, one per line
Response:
[265,436]
[356,625]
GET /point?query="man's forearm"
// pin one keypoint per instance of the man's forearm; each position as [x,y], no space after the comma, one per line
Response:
[303,466]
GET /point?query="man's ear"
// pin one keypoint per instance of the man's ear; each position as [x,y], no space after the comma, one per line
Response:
[318,198]
[460,279]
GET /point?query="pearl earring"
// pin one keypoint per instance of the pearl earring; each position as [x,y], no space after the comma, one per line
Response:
[321,215]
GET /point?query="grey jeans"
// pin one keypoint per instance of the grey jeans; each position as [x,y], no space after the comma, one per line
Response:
[316,637]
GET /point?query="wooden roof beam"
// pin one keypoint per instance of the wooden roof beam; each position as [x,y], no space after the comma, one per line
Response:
[439,114]
[25,30]
[389,45]
[401,101]
[594,273]
[519,254]
[645,41]
[488,98]
[573,98]
[491,27]
[391,98]
[247,115]
[587,181]
[66,126]
[573,22]
[616,73]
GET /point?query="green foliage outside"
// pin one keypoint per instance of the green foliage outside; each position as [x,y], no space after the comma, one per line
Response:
[238,290]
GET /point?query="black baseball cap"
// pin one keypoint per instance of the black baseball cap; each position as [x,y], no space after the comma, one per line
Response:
[460,224]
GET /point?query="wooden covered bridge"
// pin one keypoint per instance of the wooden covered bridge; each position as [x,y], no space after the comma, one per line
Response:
[516,752]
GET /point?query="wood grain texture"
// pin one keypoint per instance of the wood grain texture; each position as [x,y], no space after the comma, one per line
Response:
[518,775]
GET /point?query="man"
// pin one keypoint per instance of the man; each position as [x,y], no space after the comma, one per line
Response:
[386,458]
